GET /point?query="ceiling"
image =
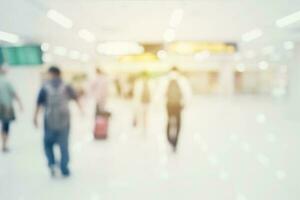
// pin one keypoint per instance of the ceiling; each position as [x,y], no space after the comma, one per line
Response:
[147,20]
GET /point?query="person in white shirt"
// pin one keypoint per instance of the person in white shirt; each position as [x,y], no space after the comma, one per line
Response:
[142,97]
[100,90]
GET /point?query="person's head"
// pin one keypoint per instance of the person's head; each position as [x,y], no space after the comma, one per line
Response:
[54,72]
[174,69]
[99,71]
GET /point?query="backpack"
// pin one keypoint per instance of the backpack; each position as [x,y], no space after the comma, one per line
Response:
[145,92]
[57,114]
[174,94]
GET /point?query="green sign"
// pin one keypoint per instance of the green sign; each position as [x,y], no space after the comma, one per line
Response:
[23,55]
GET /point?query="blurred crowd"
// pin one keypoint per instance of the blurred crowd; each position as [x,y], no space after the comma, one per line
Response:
[144,88]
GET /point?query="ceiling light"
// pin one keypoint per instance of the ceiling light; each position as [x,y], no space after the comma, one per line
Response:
[61,51]
[263,65]
[45,47]
[169,35]
[161,54]
[289,45]
[86,35]
[202,55]
[252,35]
[176,18]
[120,48]
[9,37]
[288,20]
[47,58]
[74,55]
[59,19]
[261,118]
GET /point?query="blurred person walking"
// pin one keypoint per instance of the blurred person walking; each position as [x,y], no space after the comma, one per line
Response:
[7,113]
[100,90]
[54,97]
[118,87]
[142,98]
[177,93]
[100,87]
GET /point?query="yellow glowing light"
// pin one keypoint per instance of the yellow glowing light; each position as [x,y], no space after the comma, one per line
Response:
[145,57]
[194,47]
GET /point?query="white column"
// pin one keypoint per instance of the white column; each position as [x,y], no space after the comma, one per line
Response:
[294,83]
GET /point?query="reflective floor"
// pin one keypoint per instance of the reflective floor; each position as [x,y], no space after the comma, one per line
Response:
[241,148]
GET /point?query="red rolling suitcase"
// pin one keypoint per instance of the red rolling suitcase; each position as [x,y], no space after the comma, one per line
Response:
[101,125]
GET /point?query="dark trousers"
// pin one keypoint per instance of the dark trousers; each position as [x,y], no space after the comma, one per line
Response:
[61,138]
[174,122]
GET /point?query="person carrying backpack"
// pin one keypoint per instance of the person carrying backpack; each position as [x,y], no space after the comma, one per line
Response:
[174,105]
[54,97]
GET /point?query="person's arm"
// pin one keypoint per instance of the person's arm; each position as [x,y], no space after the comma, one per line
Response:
[36,115]
[40,102]
[79,105]
[73,95]
[17,98]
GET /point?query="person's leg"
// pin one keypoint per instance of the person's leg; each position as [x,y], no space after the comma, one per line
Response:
[178,126]
[4,141]
[169,128]
[98,108]
[49,141]
[5,132]
[170,125]
[63,142]
[145,117]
